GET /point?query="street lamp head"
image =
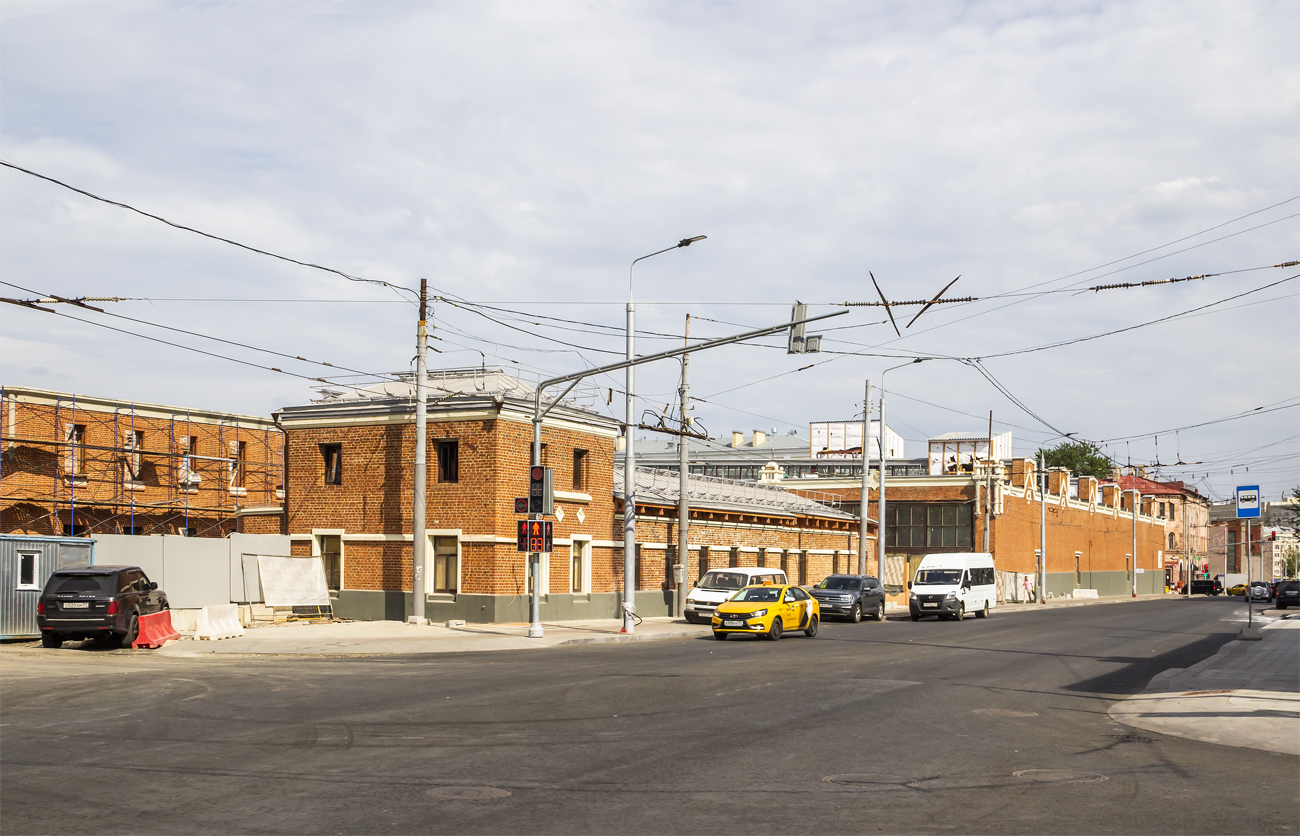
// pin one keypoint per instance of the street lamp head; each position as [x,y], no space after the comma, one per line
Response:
[686,242]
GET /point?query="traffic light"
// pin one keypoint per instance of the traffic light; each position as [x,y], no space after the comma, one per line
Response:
[797,342]
[534,536]
[541,490]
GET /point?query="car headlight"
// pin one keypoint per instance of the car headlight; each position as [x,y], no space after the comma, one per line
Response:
[911,596]
[951,596]
[756,614]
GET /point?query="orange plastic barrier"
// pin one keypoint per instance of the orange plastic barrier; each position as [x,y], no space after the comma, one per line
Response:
[156,630]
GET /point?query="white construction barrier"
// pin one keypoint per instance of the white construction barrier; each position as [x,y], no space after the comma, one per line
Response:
[1085,593]
[186,621]
[220,622]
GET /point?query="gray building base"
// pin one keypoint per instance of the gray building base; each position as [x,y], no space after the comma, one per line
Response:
[1063,584]
[374,605]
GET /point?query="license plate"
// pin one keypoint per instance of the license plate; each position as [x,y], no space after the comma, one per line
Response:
[733,624]
[929,605]
[76,605]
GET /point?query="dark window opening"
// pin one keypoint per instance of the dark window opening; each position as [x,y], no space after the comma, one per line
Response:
[922,526]
[446,564]
[26,569]
[332,454]
[579,469]
[331,558]
[448,461]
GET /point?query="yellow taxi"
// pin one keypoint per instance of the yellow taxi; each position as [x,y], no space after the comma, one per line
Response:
[1239,589]
[767,610]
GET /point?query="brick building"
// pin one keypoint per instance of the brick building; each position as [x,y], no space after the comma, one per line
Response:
[350,463]
[82,465]
[1186,518]
[1089,528]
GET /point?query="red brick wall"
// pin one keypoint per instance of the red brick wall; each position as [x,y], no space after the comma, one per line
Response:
[40,493]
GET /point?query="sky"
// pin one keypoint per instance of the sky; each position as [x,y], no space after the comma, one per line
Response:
[522,155]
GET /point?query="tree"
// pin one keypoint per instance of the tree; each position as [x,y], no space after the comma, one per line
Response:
[1082,459]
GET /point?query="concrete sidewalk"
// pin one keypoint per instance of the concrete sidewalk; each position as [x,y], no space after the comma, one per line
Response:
[1248,694]
[373,638]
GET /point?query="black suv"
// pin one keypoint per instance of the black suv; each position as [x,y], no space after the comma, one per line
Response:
[1288,594]
[850,597]
[102,603]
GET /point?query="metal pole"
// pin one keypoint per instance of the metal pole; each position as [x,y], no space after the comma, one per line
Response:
[419,539]
[1137,500]
[1187,547]
[988,484]
[865,504]
[1250,613]
[880,504]
[683,463]
[535,558]
[629,473]
[1042,528]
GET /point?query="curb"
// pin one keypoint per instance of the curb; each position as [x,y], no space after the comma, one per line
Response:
[634,637]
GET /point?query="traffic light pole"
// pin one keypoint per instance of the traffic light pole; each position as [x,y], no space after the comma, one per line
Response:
[535,558]
[539,413]
[419,539]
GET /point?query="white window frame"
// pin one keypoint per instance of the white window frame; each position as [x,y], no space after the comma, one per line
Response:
[431,558]
[36,571]
[316,534]
[581,542]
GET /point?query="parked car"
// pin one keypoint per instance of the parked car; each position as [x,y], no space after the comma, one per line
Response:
[1207,586]
[718,585]
[1261,591]
[101,602]
[1288,594]
[1237,589]
[767,611]
[951,584]
[850,597]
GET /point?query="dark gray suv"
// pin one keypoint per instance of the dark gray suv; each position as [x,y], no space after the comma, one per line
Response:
[850,597]
[102,603]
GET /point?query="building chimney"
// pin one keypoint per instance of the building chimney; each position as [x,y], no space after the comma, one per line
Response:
[737,438]
[759,437]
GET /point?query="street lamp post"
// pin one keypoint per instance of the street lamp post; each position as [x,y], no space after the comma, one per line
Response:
[880,524]
[629,455]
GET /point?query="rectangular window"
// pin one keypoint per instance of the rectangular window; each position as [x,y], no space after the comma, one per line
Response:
[235,466]
[733,560]
[331,558]
[332,455]
[133,443]
[581,565]
[188,477]
[27,570]
[77,460]
[446,564]
[918,526]
[448,461]
[579,470]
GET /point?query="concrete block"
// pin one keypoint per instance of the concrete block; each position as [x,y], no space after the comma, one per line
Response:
[1085,593]
[219,622]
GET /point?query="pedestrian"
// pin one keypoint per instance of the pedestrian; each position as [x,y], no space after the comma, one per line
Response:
[1029,589]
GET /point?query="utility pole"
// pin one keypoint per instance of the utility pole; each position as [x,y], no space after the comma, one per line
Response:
[1187,546]
[1042,528]
[1137,500]
[418,538]
[880,499]
[683,461]
[865,504]
[988,485]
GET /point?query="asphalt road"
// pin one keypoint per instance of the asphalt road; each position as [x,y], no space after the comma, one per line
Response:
[931,727]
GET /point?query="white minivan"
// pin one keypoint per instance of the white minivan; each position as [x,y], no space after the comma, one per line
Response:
[953,584]
[718,585]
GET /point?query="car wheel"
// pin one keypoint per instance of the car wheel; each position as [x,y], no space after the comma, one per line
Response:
[961,611]
[983,613]
[855,614]
[916,617]
[775,633]
[880,612]
[132,631]
[811,632]
[719,636]
[53,640]
[1281,606]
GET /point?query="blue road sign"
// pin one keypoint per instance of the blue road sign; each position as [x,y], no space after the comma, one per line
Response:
[1247,501]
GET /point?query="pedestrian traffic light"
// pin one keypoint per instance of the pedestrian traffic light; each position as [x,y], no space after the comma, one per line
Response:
[534,536]
[541,490]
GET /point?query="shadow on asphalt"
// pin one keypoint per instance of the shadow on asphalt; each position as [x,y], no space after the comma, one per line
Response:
[1138,671]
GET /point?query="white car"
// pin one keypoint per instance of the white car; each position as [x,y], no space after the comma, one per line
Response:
[718,585]
[952,584]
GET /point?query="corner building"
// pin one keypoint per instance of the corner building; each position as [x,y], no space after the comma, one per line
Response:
[350,462]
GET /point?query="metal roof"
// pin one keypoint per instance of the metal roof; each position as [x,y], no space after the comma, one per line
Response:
[657,486]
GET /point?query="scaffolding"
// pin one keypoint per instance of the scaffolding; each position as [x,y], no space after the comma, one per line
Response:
[73,465]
